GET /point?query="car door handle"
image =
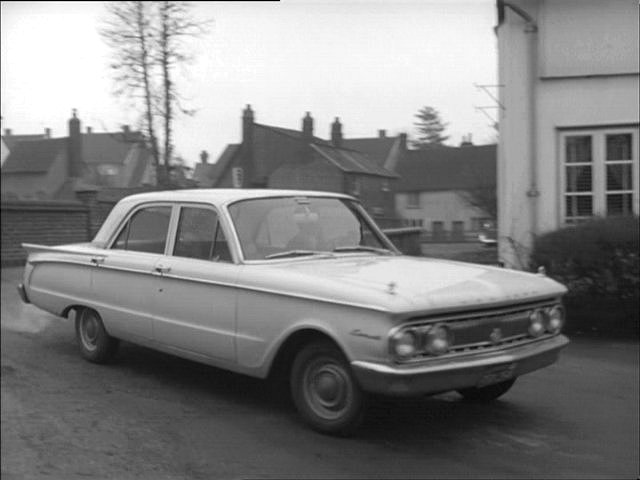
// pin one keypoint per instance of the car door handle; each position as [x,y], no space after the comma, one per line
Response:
[162,269]
[97,260]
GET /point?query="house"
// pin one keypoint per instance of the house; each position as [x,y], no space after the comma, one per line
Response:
[275,157]
[50,168]
[448,191]
[384,150]
[9,140]
[569,120]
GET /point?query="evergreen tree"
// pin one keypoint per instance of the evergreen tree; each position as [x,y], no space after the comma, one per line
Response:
[430,128]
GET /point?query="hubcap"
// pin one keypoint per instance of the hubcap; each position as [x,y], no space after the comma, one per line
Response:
[327,389]
[89,330]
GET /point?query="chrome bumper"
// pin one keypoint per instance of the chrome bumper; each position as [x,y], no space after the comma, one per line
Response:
[442,375]
[23,293]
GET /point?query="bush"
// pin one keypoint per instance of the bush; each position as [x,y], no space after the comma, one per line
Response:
[596,258]
[598,262]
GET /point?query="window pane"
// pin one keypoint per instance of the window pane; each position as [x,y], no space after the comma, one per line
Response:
[196,233]
[579,206]
[578,148]
[619,177]
[148,230]
[619,147]
[579,178]
[619,204]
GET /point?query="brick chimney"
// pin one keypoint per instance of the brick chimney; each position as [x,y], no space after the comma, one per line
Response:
[336,133]
[382,134]
[307,127]
[204,156]
[466,141]
[74,147]
[89,130]
[47,133]
[403,141]
[249,169]
[125,132]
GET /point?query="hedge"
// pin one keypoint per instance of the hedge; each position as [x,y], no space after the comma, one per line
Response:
[598,262]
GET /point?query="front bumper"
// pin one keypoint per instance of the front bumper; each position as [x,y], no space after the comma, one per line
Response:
[442,375]
[23,293]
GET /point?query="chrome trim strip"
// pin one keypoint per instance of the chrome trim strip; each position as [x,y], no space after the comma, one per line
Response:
[223,284]
[490,312]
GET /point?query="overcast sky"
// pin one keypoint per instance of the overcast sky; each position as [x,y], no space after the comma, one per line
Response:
[372,63]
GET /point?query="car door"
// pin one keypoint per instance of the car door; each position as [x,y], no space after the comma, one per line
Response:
[195,306]
[124,281]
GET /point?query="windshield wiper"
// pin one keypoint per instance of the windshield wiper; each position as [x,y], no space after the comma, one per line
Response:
[363,248]
[296,253]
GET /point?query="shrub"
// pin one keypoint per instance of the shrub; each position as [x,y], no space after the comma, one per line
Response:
[598,262]
[596,258]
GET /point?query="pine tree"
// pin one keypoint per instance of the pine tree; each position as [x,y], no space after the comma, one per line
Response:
[430,128]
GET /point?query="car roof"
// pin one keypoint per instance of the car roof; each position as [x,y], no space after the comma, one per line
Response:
[222,196]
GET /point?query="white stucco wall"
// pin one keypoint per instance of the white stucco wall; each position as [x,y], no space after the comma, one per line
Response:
[576,92]
[444,206]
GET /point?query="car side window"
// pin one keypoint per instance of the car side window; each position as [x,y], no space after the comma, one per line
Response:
[200,235]
[146,231]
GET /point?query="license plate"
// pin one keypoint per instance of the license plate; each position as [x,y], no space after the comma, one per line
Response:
[497,375]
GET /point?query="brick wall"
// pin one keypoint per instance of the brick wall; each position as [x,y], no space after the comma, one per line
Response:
[41,222]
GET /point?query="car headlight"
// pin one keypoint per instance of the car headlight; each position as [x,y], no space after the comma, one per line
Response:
[404,343]
[555,319]
[537,323]
[438,340]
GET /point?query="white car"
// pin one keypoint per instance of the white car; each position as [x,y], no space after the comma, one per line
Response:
[301,284]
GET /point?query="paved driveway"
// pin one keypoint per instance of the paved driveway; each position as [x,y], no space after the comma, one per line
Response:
[152,416]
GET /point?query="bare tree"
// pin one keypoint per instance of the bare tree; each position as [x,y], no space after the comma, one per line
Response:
[148,42]
[128,32]
[176,24]
[483,197]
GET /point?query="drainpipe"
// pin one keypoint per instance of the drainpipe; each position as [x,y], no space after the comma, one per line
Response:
[531,29]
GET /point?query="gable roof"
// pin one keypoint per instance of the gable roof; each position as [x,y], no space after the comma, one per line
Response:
[108,147]
[447,168]
[352,161]
[34,156]
[377,149]
[12,140]
[208,174]
[37,155]
[291,133]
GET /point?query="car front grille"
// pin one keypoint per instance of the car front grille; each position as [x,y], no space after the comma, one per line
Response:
[486,330]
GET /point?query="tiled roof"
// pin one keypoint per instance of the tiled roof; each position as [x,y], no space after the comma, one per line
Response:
[11,140]
[291,133]
[376,149]
[97,148]
[352,161]
[447,168]
[34,156]
[108,147]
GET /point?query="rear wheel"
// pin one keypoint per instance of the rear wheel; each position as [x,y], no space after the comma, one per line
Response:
[324,390]
[488,393]
[96,345]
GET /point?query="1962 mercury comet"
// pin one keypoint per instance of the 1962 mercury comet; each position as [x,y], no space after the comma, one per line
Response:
[302,283]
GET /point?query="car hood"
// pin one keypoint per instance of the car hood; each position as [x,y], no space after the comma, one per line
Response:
[403,283]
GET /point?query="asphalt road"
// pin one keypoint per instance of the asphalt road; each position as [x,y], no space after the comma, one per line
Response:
[152,416]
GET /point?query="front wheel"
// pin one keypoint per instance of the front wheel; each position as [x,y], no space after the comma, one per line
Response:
[96,345]
[488,393]
[324,390]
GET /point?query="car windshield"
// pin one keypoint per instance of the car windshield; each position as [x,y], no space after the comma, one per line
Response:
[303,226]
